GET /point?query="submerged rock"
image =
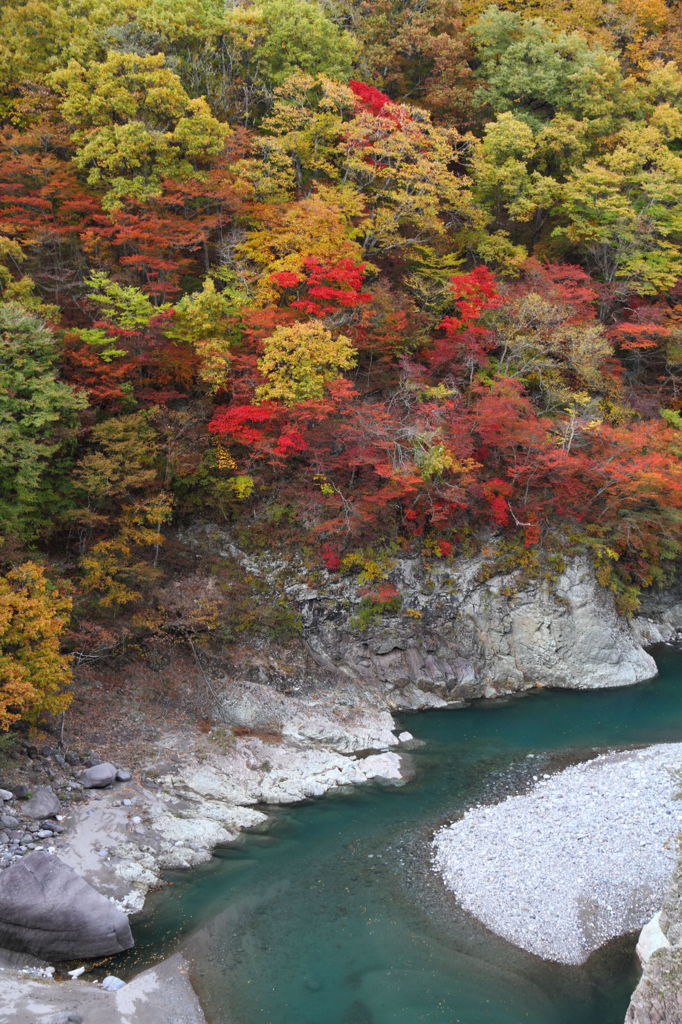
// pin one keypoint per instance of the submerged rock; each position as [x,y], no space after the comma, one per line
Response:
[48,910]
[358,1013]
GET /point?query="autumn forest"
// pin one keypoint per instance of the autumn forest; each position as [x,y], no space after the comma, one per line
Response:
[348,276]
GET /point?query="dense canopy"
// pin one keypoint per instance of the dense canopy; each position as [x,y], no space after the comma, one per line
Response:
[352,274]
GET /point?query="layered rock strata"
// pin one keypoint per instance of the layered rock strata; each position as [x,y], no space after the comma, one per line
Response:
[462,630]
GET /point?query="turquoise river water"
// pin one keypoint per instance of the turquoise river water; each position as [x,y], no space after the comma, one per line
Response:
[333,915]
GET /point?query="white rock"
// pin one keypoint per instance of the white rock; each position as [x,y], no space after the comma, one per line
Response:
[381,766]
[651,938]
[111,983]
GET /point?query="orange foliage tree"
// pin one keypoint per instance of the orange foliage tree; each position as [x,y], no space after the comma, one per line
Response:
[33,673]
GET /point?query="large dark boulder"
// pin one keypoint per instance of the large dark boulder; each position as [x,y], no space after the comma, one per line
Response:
[48,910]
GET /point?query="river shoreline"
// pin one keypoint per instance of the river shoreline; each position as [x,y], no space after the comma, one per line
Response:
[177,800]
[122,839]
[198,791]
[97,821]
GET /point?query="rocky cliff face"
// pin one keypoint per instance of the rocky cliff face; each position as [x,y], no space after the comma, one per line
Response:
[660,615]
[478,639]
[459,632]
[658,997]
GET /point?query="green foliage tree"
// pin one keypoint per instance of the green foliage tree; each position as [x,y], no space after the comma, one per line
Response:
[38,420]
[206,320]
[527,67]
[40,36]
[281,37]
[237,54]
[623,213]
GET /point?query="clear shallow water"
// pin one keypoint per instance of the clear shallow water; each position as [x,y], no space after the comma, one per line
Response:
[333,916]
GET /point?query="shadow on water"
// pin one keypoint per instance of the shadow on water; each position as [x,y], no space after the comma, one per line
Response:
[334,916]
[358,1013]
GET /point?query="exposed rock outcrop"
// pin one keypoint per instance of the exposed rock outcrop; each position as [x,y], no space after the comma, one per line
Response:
[659,619]
[462,630]
[48,910]
[306,721]
[194,801]
[584,857]
[658,997]
[482,638]
[157,996]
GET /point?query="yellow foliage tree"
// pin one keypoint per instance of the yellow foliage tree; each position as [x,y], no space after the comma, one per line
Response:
[393,171]
[114,568]
[134,125]
[33,672]
[324,225]
[299,360]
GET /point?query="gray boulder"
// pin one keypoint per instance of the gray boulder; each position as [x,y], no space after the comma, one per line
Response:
[48,910]
[53,826]
[99,776]
[6,795]
[123,775]
[43,804]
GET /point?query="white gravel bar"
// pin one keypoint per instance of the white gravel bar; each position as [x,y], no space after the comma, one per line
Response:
[584,857]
